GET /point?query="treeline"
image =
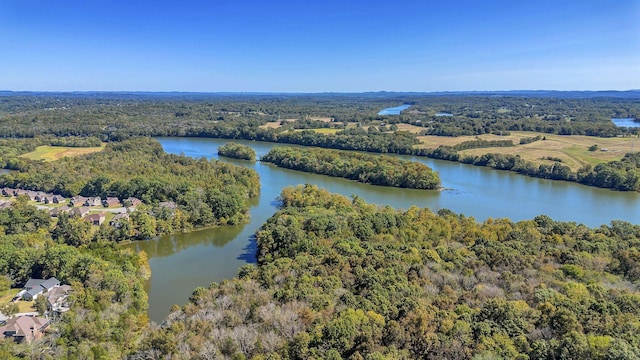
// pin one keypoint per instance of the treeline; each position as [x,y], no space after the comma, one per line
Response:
[76,141]
[529,140]
[237,151]
[206,192]
[477,144]
[555,171]
[619,175]
[365,168]
[623,175]
[108,301]
[357,139]
[338,278]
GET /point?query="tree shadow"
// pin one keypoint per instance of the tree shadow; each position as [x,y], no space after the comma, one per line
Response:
[250,252]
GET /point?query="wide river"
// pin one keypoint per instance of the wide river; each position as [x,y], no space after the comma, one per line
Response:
[181,262]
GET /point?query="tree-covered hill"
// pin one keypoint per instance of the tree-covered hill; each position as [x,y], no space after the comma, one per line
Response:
[339,278]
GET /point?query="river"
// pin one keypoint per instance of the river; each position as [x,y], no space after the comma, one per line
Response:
[181,262]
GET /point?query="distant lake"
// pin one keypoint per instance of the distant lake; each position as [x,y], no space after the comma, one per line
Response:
[394,110]
[625,122]
[5,171]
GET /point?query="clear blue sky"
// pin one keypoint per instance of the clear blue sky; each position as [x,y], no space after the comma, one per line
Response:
[318,46]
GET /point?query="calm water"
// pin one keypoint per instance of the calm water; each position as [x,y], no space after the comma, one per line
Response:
[182,262]
[625,122]
[394,110]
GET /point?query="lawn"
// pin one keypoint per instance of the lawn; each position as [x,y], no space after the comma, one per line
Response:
[572,150]
[7,295]
[52,153]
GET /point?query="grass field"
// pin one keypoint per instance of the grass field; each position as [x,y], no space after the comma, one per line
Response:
[572,150]
[52,153]
[23,306]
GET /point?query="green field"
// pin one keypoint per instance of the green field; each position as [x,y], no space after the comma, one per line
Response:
[7,295]
[52,153]
[571,149]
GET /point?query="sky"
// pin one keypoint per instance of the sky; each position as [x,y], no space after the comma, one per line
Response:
[319,46]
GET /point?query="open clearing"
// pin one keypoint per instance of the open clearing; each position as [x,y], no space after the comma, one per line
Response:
[52,153]
[571,149]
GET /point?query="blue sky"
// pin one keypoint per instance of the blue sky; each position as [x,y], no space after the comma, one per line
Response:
[319,46]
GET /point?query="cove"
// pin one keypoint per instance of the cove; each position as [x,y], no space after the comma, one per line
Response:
[182,262]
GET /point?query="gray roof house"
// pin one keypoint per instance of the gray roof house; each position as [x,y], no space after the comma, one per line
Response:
[35,287]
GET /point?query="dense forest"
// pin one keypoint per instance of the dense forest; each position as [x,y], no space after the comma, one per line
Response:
[206,192]
[237,151]
[365,168]
[340,278]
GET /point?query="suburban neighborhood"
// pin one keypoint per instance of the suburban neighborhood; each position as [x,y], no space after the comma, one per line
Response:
[29,326]
[94,210]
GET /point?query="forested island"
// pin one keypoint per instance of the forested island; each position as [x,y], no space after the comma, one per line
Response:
[237,151]
[339,278]
[365,168]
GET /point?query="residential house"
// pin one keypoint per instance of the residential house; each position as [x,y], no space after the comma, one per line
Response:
[32,194]
[18,192]
[111,202]
[46,198]
[59,210]
[35,287]
[79,211]
[78,200]
[24,328]
[58,199]
[95,219]
[93,201]
[132,202]
[7,191]
[57,299]
[118,219]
